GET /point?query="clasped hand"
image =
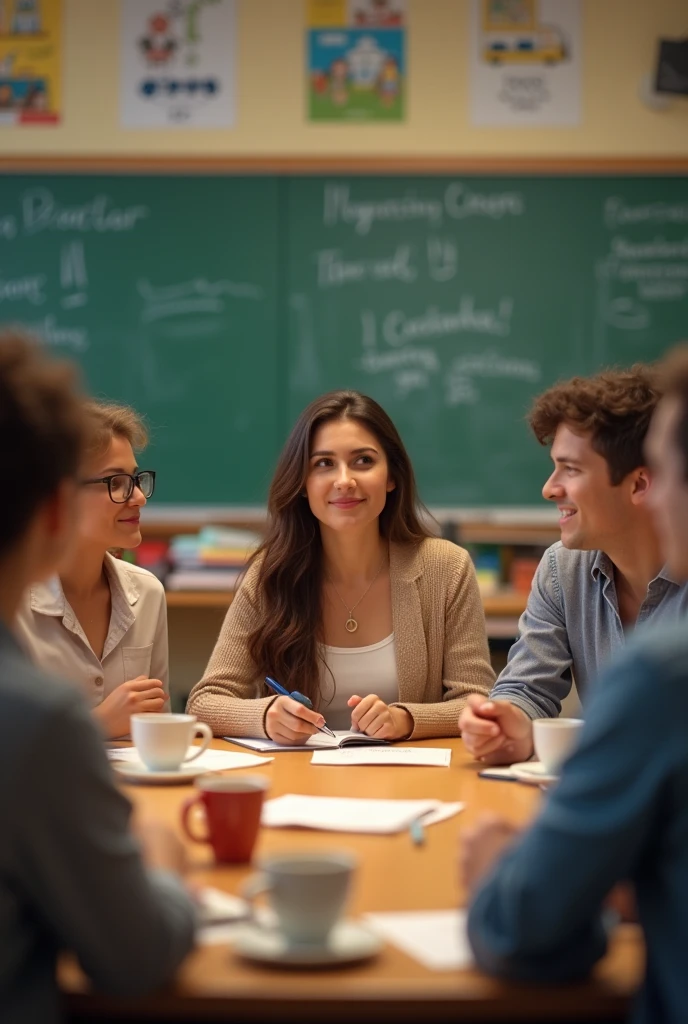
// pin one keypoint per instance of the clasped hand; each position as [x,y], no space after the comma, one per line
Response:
[291,724]
[375,718]
[136,696]
[496,731]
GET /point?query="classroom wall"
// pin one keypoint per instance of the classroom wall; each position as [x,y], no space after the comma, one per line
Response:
[619,45]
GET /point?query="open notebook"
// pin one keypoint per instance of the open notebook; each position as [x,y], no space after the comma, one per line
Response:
[321,741]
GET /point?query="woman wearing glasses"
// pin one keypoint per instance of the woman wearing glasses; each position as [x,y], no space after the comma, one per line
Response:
[103,622]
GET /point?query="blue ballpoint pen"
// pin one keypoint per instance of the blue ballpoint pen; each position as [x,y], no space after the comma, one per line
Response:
[300,697]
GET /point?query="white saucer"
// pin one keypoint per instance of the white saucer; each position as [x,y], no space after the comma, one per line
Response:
[135,771]
[348,943]
[534,772]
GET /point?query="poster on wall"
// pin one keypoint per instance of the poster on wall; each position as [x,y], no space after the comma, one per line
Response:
[356,53]
[526,62]
[30,62]
[177,63]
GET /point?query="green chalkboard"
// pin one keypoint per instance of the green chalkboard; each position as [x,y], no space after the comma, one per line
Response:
[454,300]
[165,289]
[220,305]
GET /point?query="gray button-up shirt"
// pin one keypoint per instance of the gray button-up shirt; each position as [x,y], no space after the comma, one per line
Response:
[70,872]
[572,625]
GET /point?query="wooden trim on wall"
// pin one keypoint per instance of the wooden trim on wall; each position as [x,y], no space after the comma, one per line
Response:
[343,165]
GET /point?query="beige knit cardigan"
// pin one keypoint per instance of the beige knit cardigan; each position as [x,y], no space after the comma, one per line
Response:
[439,635]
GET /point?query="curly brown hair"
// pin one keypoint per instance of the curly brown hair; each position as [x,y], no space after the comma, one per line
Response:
[614,407]
[42,427]
[674,381]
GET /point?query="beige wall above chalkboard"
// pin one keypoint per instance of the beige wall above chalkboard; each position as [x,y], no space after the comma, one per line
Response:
[619,46]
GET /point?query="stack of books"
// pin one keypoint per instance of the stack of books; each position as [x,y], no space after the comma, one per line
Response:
[212,559]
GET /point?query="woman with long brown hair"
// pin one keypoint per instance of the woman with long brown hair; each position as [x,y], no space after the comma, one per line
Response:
[350,599]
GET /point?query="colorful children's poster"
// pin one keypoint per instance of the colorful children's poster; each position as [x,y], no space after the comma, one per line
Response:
[526,62]
[30,61]
[356,60]
[178,63]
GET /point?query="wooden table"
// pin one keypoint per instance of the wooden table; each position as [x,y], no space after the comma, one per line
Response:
[214,984]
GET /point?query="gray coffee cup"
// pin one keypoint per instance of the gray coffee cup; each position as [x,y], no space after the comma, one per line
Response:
[306,891]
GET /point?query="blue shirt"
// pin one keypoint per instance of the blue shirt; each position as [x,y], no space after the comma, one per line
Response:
[572,625]
[619,813]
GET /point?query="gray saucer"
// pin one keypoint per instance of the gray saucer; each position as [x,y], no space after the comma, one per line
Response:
[348,943]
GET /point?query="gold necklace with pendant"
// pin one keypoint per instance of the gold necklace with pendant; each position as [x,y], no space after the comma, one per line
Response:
[351,625]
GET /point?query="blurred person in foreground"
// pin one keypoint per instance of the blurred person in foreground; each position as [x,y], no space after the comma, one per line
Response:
[539,900]
[71,874]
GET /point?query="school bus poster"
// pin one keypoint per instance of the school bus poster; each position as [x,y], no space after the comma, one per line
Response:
[526,57]
[30,62]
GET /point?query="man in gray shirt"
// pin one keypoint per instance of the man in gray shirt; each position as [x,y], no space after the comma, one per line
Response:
[602,579]
[71,876]
[540,907]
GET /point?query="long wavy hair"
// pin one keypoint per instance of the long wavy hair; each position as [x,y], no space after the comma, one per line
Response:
[285,641]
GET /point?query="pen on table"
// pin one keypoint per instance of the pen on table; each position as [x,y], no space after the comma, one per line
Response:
[300,697]
[417,832]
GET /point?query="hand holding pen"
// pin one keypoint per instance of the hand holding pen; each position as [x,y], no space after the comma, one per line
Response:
[290,719]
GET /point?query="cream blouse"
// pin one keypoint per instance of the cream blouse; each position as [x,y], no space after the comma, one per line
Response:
[361,670]
[136,642]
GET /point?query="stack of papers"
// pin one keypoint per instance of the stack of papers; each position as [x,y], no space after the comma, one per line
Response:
[213,760]
[344,814]
[437,757]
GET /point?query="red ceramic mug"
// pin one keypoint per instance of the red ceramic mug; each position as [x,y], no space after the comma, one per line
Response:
[232,808]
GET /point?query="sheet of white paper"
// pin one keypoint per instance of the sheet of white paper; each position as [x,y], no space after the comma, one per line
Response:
[494,772]
[436,938]
[213,760]
[441,813]
[344,814]
[218,907]
[224,931]
[439,757]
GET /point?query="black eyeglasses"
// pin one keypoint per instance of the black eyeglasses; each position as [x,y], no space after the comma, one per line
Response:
[121,485]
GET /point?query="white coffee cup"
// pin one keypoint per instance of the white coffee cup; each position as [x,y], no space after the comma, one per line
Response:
[307,892]
[554,740]
[162,740]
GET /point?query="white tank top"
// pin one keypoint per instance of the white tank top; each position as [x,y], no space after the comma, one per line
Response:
[360,670]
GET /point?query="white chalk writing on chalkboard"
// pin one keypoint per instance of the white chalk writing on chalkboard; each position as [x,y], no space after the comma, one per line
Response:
[443,259]
[52,333]
[618,214]
[42,212]
[400,358]
[362,213]
[458,202]
[398,327]
[634,275]
[73,274]
[8,227]
[333,270]
[197,296]
[493,364]
[23,289]
[461,201]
